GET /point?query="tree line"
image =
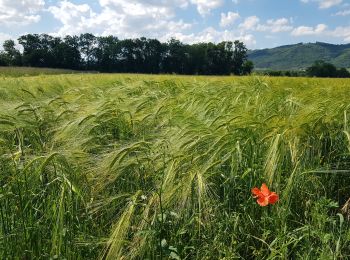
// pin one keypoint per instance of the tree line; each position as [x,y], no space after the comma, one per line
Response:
[319,69]
[324,69]
[140,55]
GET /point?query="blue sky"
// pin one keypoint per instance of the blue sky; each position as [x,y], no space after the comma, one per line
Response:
[258,23]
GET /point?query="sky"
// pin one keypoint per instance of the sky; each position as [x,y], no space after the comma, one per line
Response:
[258,23]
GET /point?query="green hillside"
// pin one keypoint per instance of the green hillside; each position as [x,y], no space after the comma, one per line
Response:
[301,55]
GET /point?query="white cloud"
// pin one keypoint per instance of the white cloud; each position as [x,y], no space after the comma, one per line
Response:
[275,26]
[137,3]
[307,30]
[210,34]
[141,18]
[228,19]
[342,13]
[342,32]
[250,23]
[157,19]
[75,18]
[205,6]
[148,7]
[322,30]
[122,18]
[24,12]
[248,39]
[324,4]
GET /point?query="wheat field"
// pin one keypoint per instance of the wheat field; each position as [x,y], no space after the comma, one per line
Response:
[161,167]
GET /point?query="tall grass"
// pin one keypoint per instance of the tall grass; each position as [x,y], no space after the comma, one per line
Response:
[151,167]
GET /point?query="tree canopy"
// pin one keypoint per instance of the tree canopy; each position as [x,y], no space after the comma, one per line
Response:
[140,55]
[326,70]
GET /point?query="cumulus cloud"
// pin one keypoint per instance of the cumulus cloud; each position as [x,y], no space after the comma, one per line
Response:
[228,19]
[155,19]
[147,3]
[249,23]
[158,19]
[22,12]
[342,13]
[342,32]
[122,18]
[324,4]
[252,23]
[147,18]
[275,26]
[75,18]
[205,6]
[329,3]
[308,30]
[210,34]
[322,30]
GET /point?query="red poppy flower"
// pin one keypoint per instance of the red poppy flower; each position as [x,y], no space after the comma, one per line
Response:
[264,195]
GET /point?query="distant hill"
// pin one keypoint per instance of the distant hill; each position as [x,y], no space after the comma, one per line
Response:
[300,56]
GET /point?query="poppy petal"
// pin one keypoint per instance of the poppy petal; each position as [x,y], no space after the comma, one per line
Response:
[263,201]
[265,190]
[256,192]
[273,198]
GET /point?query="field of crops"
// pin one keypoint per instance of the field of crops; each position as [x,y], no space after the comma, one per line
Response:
[30,71]
[152,167]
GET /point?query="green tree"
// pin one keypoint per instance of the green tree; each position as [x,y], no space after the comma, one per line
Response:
[107,51]
[11,54]
[198,59]
[239,57]
[220,58]
[37,51]
[247,67]
[343,73]
[87,45]
[3,59]
[322,69]
[174,58]
[141,55]
[152,53]
[70,54]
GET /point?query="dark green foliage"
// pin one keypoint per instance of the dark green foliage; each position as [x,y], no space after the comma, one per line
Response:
[326,70]
[343,73]
[247,67]
[11,55]
[87,47]
[3,59]
[281,73]
[318,69]
[140,55]
[51,52]
[239,58]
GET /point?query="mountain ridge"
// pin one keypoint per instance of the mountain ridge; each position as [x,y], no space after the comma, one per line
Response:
[300,56]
